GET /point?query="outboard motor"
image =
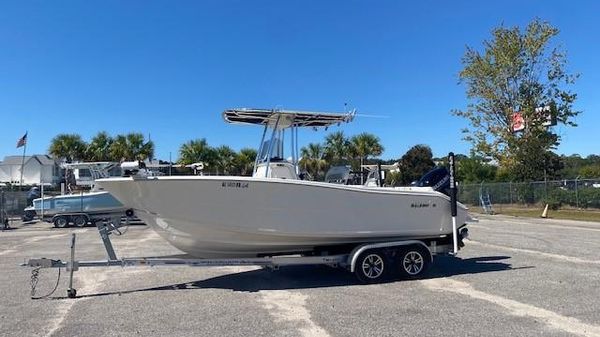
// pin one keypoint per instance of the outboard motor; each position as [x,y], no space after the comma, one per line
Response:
[33,193]
[338,175]
[132,168]
[438,179]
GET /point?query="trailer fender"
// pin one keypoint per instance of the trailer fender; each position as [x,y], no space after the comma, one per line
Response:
[360,249]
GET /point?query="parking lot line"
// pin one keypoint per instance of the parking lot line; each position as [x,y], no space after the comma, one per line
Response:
[522,223]
[565,258]
[515,308]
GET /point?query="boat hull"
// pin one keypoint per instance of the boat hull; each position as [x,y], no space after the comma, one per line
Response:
[211,217]
[89,203]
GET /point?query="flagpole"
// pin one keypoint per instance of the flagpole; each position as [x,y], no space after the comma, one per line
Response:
[22,164]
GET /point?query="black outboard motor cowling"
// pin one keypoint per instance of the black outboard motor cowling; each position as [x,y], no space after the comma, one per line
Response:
[438,179]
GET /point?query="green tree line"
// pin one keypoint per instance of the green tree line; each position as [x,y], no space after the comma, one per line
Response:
[218,160]
[337,149]
[363,149]
[102,147]
[476,169]
[317,158]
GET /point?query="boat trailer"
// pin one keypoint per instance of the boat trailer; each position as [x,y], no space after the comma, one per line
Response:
[370,262]
[367,261]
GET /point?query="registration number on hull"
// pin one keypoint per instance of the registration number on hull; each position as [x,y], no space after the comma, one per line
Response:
[234,184]
[422,204]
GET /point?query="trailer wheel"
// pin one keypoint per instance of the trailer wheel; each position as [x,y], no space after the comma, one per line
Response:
[61,221]
[371,266]
[29,215]
[80,220]
[413,261]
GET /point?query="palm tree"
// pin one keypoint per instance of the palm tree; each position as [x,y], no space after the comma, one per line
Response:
[146,151]
[312,159]
[137,148]
[131,147]
[118,148]
[365,145]
[99,147]
[196,151]
[225,158]
[68,147]
[337,147]
[244,161]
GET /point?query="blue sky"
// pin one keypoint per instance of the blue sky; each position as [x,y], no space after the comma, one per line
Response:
[169,68]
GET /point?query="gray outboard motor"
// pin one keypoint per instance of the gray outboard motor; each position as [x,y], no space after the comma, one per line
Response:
[438,179]
[132,168]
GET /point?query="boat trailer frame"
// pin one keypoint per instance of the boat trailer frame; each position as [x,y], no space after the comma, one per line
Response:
[108,226]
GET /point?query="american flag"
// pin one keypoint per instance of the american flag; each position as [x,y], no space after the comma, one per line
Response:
[22,141]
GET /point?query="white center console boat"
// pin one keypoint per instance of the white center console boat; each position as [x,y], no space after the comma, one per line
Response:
[274,219]
[273,212]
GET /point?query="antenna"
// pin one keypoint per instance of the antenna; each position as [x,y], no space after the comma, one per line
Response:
[354,114]
[372,116]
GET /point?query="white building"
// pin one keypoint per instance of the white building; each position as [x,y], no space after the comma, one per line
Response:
[36,168]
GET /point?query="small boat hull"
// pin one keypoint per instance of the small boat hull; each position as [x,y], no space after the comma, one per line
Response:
[211,217]
[89,203]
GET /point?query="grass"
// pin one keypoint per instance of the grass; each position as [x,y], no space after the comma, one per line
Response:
[568,214]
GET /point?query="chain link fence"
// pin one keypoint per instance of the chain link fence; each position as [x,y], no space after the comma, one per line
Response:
[576,193]
[13,203]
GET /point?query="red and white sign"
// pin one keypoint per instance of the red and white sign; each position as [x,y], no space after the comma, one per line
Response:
[518,123]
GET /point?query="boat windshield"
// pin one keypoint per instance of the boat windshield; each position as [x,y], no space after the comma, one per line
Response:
[276,152]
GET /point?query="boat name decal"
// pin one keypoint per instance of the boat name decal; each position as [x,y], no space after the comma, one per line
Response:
[234,184]
[422,204]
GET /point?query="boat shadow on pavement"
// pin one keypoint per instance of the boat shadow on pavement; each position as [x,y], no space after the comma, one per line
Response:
[306,277]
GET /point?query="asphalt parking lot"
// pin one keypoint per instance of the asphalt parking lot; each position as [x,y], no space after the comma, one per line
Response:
[515,277]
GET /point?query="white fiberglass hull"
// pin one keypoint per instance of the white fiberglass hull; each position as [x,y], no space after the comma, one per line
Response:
[89,202]
[211,217]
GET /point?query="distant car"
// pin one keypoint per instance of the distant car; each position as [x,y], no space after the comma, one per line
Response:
[596,185]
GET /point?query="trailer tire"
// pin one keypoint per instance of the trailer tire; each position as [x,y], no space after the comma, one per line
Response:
[80,220]
[61,221]
[29,215]
[413,261]
[371,266]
